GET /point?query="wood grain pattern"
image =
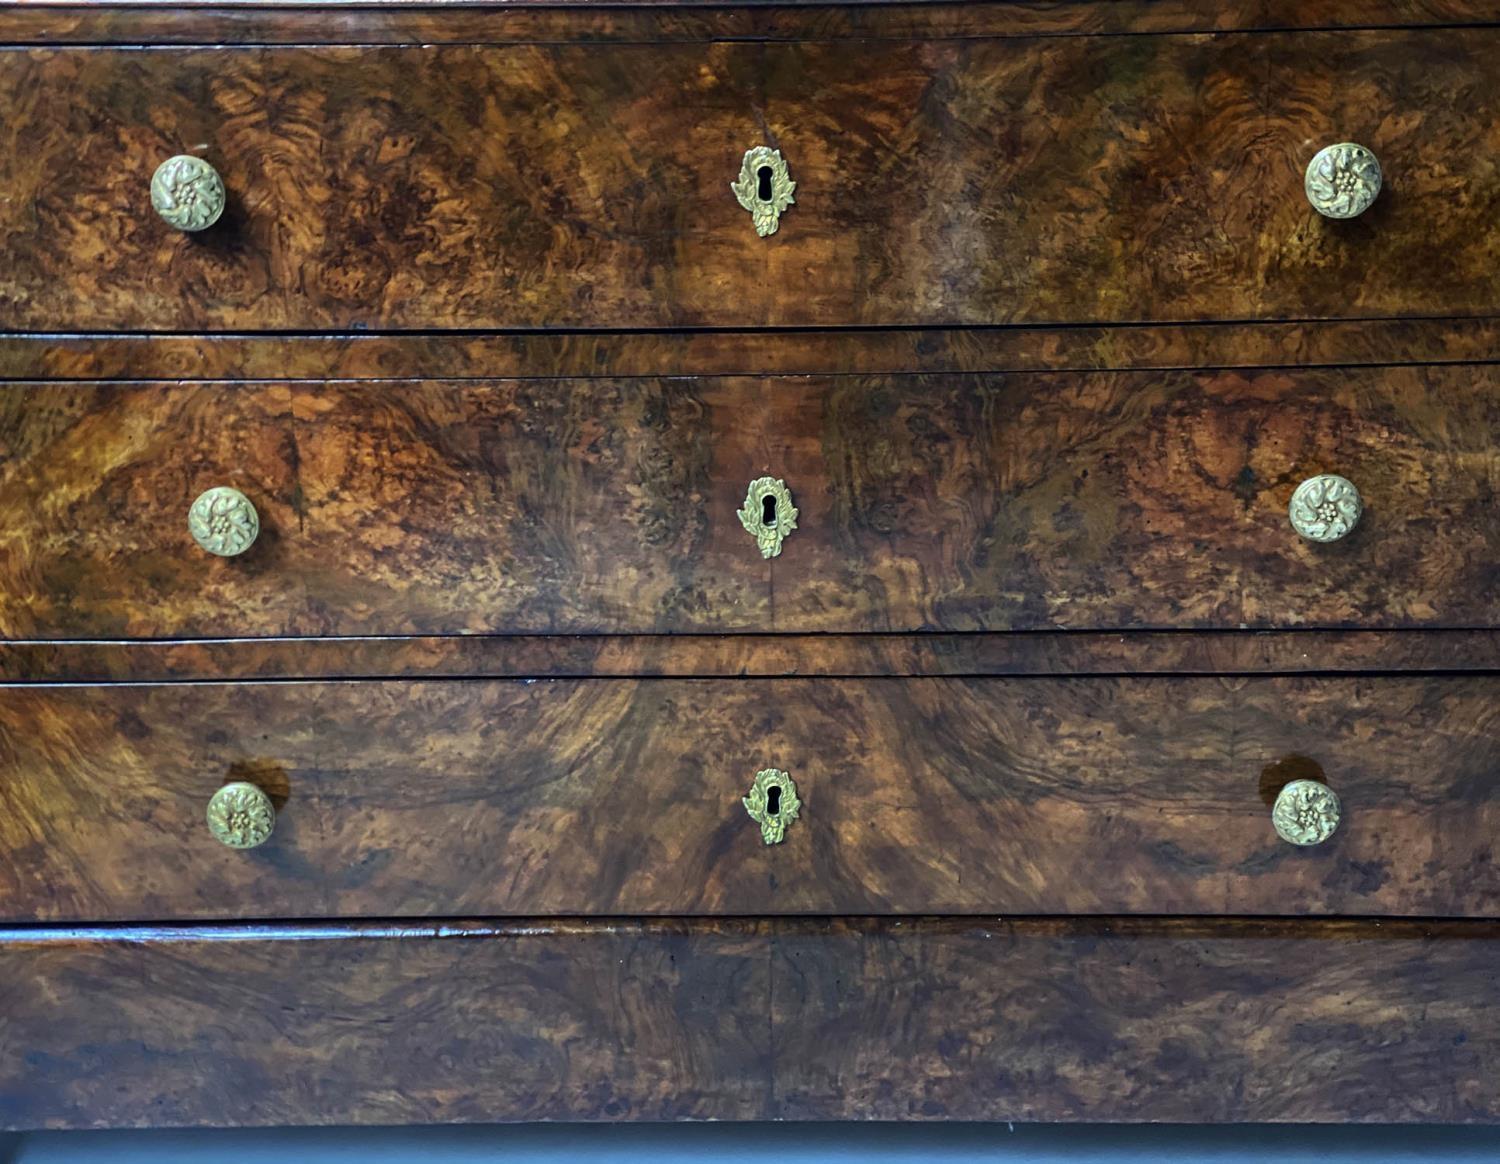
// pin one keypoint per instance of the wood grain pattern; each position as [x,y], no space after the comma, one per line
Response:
[1026,1020]
[623,1023]
[1135,501]
[618,798]
[508,354]
[1370,88]
[95,486]
[435,187]
[531,505]
[928,503]
[754,656]
[1139,1022]
[527,22]
[731,353]
[565,186]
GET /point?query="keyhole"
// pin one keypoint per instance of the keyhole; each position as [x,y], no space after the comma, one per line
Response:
[773,800]
[768,511]
[764,190]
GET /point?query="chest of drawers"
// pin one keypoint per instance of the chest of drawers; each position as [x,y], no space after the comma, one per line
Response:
[780,561]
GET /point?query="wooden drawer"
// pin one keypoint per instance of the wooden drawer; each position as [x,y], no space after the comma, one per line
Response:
[1029,501]
[1024,1020]
[619,797]
[971,180]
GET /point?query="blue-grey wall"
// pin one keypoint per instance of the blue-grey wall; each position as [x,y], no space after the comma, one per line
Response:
[765,1144]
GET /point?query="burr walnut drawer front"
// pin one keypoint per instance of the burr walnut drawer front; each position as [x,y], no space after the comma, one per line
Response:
[733,1020]
[1077,500]
[1199,795]
[880,181]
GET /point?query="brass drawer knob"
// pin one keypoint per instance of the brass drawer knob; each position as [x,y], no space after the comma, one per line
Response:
[768,514]
[240,815]
[1342,180]
[1305,813]
[764,188]
[223,521]
[773,804]
[1325,508]
[187,192]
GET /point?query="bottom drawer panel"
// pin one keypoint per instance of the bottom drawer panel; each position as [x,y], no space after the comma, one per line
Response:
[1055,1019]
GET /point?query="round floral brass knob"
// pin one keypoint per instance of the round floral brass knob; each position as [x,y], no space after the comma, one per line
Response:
[223,521]
[241,816]
[1342,180]
[1325,508]
[1305,813]
[187,192]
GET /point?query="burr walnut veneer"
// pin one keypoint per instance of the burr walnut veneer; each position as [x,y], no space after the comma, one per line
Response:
[749,561]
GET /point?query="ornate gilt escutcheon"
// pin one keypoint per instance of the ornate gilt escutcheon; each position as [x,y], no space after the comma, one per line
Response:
[187,192]
[223,521]
[1305,813]
[768,514]
[240,815]
[773,804]
[1325,508]
[1342,180]
[764,188]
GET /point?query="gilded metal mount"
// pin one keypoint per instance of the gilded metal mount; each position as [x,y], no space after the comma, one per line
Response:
[764,188]
[187,192]
[773,804]
[1325,508]
[1305,813]
[223,521]
[768,514]
[240,815]
[1342,180]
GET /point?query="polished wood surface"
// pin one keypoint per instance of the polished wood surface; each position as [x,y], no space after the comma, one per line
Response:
[1084,501]
[1158,1021]
[446,1023]
[1220,1021]
[1375,88]
[983,181]
[361,356]
[361,22]
[1135,501]
[754,656]
[95,487]
[618,797]
[561,186]
[1042,349]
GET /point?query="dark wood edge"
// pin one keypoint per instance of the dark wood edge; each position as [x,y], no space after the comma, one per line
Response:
[755,656]
[1125,928]
[528,22]
[710,353]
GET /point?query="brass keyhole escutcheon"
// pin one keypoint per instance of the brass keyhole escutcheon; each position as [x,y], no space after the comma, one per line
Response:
[768,514]
[773,804]
[764,188]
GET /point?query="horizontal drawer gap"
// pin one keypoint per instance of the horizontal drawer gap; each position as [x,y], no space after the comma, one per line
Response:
[957,676]
[1317,929]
